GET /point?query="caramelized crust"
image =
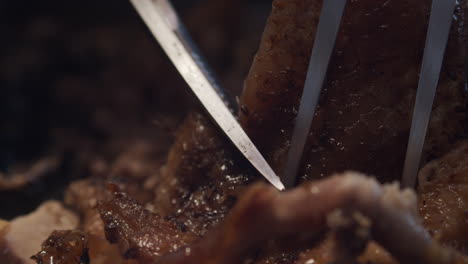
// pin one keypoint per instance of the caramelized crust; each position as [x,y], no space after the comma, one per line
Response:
[263,214]
[139,233]
[64,247]
[364,111]
[202,178]
[443,201]
[361,123]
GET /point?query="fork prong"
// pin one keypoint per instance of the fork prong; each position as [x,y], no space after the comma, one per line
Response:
[329,23]
[436,41]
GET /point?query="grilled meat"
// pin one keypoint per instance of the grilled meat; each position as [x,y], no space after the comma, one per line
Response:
[443,198]
[22,237]
[364,112]
[355,207]
[203,205]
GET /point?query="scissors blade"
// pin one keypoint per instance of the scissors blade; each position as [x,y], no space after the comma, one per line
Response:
[436,41]
[166,27]
[329,23]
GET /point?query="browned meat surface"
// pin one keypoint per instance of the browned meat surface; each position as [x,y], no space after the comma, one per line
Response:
[83,196]
[364,112]
[443,201]
[365,109]
[139,233]
[102,252]
[77,247]
[23,236]
[65,247]
[134,170]
[202,178]
[354,207]
[199,207]
[28,174]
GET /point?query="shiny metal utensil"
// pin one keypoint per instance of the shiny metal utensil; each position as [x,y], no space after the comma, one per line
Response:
[162,20]
[436,41]
[329,23]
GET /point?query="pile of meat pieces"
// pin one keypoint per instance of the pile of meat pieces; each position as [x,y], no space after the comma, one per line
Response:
[207,205]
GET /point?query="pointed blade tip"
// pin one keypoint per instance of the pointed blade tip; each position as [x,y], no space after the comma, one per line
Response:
[279,186]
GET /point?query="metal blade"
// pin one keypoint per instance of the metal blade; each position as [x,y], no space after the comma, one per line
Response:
[329,23]
[166,27]
[436,41]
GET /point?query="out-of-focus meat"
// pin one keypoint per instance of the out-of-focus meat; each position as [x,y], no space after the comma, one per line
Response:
[443,201]
[325,253]
[365,107]
[3,226]
[139,233]
[202,177]
[133,170]
[83,196]
[135,167]
[21,176]
[264,214]
[64,247]
[23,236]
[375,254]
[102,252]
[77,247]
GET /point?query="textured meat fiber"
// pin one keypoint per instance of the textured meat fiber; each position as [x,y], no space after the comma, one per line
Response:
[363,117]
[444,198]
[362,121]
[139,233]
[202,178]
[364,111]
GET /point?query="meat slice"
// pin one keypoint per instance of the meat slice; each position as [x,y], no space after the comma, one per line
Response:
[23,176]
[3,226]
[23,236]
[83,196]
[388,214]
[139,233]
[354,207]
[326,252]
[364,111]
[64,247]
[77,247]
[202,178]
[443,201]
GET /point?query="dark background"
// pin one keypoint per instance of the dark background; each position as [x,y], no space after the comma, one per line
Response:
[80,79]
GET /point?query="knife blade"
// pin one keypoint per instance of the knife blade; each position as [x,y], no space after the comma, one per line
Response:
[436,41]
[163,22]
[329,23]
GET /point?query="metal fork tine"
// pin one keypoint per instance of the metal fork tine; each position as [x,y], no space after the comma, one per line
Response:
[436,41]
[329,23]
